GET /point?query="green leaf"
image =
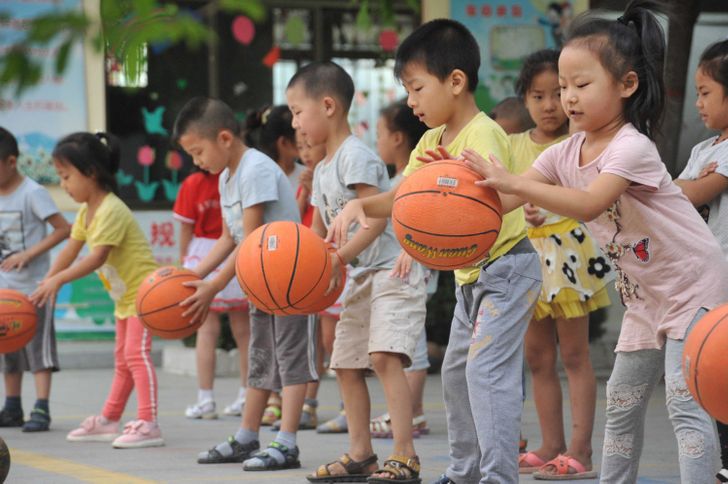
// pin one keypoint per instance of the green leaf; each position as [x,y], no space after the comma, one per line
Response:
[252,8]
[62,57]
[363,19]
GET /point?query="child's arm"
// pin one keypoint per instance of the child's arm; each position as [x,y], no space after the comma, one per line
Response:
[533,187]
[218,253]
[368,231]
[361,211]
[703,190]
[61,230]
[50,285]
[199,302]
[185,236]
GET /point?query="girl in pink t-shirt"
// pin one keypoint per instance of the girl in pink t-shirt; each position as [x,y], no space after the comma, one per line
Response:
[669,266]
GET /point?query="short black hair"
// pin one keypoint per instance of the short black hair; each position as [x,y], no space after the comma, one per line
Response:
[513,107]
[264,126]
[8,144]
[536,63]
[399,117]
[441,45]
[206,115]
[714,62]
[327,78]
[94,155]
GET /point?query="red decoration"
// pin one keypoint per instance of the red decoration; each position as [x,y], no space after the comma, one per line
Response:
[272,56]
[470,10]
[516,11]
[486,11]
[501,10]
[388,40]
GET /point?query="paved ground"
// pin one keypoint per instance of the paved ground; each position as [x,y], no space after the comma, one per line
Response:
[48,458]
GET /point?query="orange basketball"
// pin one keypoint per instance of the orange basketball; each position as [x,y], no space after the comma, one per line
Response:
[705,362]
[284,268]
[18,320]
[158,301]
[442,219]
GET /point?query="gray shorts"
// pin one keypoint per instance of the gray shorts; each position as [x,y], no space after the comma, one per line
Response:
[282,350]
[40,353]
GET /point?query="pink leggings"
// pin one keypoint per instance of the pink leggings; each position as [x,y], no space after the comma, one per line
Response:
[133,368]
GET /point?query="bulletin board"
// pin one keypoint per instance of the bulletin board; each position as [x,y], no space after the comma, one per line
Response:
[508,31]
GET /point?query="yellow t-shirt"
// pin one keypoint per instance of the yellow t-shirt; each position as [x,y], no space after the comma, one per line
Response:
[525,151]
[130,260]
[485,136]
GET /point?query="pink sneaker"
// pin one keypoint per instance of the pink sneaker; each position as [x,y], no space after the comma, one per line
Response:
[92,429]
[139,433]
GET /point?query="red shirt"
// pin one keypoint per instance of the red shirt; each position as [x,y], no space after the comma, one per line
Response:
[198,203]
[307,218]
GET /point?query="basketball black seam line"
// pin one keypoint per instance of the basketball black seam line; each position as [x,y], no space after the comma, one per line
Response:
[453,194]
[141,302]
[320,277]
[697,359]
[245,288]
[295,266]
[445,235]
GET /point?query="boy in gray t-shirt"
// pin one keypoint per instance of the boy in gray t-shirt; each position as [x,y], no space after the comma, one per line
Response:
[382,315]
[25,210]
[253,191]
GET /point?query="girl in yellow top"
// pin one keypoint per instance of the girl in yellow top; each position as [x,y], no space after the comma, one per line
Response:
[119,253]
[574,277]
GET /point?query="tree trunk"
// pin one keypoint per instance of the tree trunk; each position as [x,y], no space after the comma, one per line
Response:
[679,43]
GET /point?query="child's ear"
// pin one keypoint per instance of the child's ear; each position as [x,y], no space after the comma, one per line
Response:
[398,137]
[630,83]
[458,81]
[225,137]
[330,105]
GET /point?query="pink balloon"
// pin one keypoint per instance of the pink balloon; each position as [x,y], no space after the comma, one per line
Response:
[243,29]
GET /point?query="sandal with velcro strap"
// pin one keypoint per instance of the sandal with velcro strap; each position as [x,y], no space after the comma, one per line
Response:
[240,453]
[402,470]
[354,471]
[269,463]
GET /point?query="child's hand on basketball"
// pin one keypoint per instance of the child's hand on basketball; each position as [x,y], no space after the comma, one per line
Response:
[438,154]
[199,302]
[338,232]
[534,216]
[402,266]
[16,261]
[496,176]
[46,291]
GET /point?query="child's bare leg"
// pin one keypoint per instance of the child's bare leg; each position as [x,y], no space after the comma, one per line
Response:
[42,384]
[240,328]
[416,382]
[255,403]
[358,407]
[292,397]
[13,384]
[540,347]
[574,347]
[388,367]
[205,347]
[328,330]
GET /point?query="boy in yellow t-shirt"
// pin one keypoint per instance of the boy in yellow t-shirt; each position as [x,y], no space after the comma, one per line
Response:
[482,371]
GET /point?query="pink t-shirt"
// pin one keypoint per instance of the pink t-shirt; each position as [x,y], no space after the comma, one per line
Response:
[668,262]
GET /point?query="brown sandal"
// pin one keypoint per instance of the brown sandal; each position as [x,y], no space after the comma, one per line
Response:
[355,471]
[403,470]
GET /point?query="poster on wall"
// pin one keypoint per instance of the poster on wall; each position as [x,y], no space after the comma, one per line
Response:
[83,307]
[55,107]
[507,32]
